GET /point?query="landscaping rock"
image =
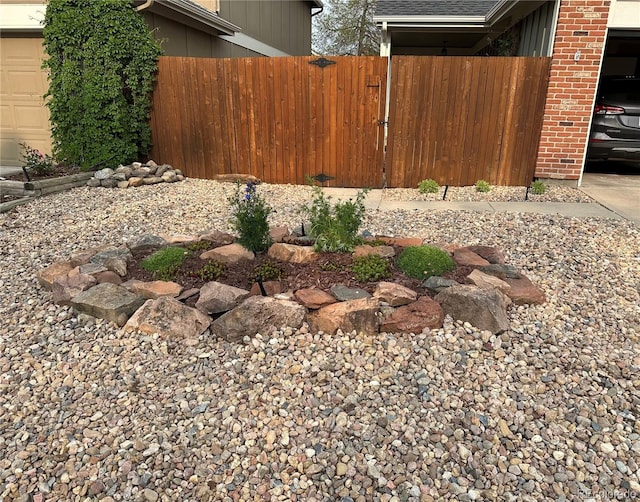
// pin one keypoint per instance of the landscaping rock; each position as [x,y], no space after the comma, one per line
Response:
[484,309]
[271,288]
[148,242]
[291,253]
[382,251]
[258,314]
[394,294]
[222,238]
[278,233]
[415,317]
[216,297]
[102,256]
[436,283]
[117,265]
[67,287]
[486,281]
[135,175]
[180,239]
[155,289]
[189,293]
[108,301]
[169,318]
[229,254]
[464,257]
[502,271]
[354,315]
[524,292]
[108,276]
[314,298]
[343,293]
[47,276]
[491,254]
[403,242]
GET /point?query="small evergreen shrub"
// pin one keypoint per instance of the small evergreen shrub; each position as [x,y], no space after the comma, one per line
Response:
[428,186]
[483,186]
[538,187]
[268,271]
[335,228]
[211,271]
[422,262]
[165,263]
[198,246]
[370,267]
[250,212]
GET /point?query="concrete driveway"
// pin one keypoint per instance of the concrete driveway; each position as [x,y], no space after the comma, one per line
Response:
[618,192]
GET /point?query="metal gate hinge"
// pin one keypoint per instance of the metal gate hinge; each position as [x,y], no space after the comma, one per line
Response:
[383,122]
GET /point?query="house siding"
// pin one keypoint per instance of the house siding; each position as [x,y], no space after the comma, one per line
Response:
[582,26]
[282,24]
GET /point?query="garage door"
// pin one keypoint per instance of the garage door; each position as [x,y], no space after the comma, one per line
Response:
[23,116]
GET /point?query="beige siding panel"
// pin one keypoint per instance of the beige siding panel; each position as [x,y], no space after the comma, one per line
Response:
[23,116]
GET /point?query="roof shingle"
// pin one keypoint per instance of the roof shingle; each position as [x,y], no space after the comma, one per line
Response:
[434,7]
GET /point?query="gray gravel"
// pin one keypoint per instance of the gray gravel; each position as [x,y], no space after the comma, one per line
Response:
[551,412]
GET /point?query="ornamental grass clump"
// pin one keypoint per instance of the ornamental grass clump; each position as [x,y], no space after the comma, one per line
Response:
[428,186]
[335,227]
[422,262]
[249,218]
[165,263]
[538,187]
[483,186]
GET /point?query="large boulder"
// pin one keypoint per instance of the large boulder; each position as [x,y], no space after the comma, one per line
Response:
[156,289]
[394,294]
[169,318]
[67,287]
[47,276]
[359,315]
[464,257]
[291,253]
[314,298]
[108,301]
[414,317]
[487,281]
[486,309]
[344,294]
[382,251]
[216,297]
[436,283]
[524,292]
[229,254]
[489,253]
[258,314]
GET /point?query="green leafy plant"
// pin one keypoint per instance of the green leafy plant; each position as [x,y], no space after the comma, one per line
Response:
[428,186]
[538,187]
[335,227]
[370,267]
[250,213]
[32,158]
[102,62]
[165,263]
[482,186]
[423,262]
[210,271]
[268,271]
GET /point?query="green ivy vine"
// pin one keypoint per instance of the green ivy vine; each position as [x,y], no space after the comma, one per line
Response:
[102,62]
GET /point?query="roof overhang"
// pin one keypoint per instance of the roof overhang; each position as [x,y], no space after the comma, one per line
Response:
[497,12]
[191,14]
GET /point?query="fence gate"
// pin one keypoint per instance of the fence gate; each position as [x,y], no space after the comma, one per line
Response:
[461,119]
[280,119]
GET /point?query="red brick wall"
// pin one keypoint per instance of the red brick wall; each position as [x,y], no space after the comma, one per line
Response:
[572,86]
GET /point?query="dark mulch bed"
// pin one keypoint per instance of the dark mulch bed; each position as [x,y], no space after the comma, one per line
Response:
[326,271]
[56,172]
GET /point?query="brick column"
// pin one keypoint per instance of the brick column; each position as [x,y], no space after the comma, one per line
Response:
[573,80]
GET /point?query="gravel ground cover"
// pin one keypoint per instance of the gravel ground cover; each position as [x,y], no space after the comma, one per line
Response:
[551,412]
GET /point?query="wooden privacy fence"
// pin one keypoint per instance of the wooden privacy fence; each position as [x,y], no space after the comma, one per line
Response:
[461,119]
[280,119]
[453,119]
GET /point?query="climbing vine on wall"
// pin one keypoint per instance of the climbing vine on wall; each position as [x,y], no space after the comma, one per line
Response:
[102,62]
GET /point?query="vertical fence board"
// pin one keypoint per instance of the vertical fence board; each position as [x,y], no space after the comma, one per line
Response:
[460,119]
